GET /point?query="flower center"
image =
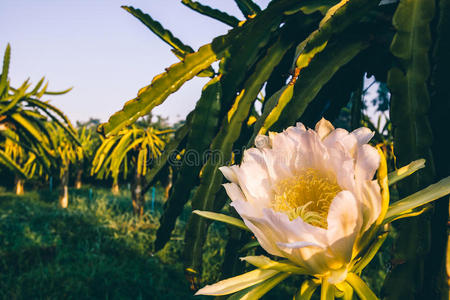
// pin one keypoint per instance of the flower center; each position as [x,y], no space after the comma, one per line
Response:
[307,195]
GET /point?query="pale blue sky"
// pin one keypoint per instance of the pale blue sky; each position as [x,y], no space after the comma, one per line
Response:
[101,50]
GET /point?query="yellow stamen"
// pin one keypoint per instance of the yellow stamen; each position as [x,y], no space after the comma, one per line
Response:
[307,195]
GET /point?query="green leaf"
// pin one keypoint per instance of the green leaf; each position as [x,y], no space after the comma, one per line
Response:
[405,171]
[18,96]
[265,263]
[58,92]
[205,120]
[273,109]
[222,218]
[161,87]
[159,30]
[102,153]
[382,178]
[413,137]
[38,86]
[336,20]
[31,127]
[12,165]
[261,289]
[368,255]
[237,283]
[307,289]
[248,246]
[319,71]
[248,7]
[311,6]
[360,287]
[5,69]
[245,51]
[326,290]
[211,12]
[45,161]
[50,111]
[410,99]
[407,214]
[430,193]
[346,289]
[169,150]
[42,91]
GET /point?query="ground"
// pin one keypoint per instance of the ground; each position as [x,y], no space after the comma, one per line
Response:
[94,249]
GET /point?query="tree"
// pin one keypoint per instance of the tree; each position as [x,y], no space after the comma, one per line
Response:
[130,151]
[67,152]
[26,143]
[89,142]
[25,162]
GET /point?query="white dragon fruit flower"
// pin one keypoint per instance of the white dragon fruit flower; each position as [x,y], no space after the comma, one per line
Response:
[309,195]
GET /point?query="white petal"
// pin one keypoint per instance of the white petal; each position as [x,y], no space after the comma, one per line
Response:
[342,137]
[344,223]
[308,255]
[343,166]
[311,152]
[228,173]
[252,217]
[253,177]
[279,164]
[293,231]
[299,126]
[298,245]
[335,136]
[233,191]
[370,197]
[323,128]
[274,230]
[367,162]
[363,135]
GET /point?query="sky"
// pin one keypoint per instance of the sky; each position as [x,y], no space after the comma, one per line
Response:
[102,51]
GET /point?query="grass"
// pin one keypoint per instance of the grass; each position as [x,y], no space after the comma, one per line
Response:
[95,249]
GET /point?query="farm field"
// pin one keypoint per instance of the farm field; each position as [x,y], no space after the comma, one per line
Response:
[94,250]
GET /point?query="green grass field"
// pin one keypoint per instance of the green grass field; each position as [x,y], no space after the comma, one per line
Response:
[94,249]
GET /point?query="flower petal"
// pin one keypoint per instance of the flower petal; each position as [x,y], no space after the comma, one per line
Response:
[344,223]
[367,162]
[275,232]
[233,191]
[370,197]
[250,215]
[323,128]
[229,173]
[343,166]
[253,177]
[311,152]
[363,135]
[298,126]
[298,245]
[279,164]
